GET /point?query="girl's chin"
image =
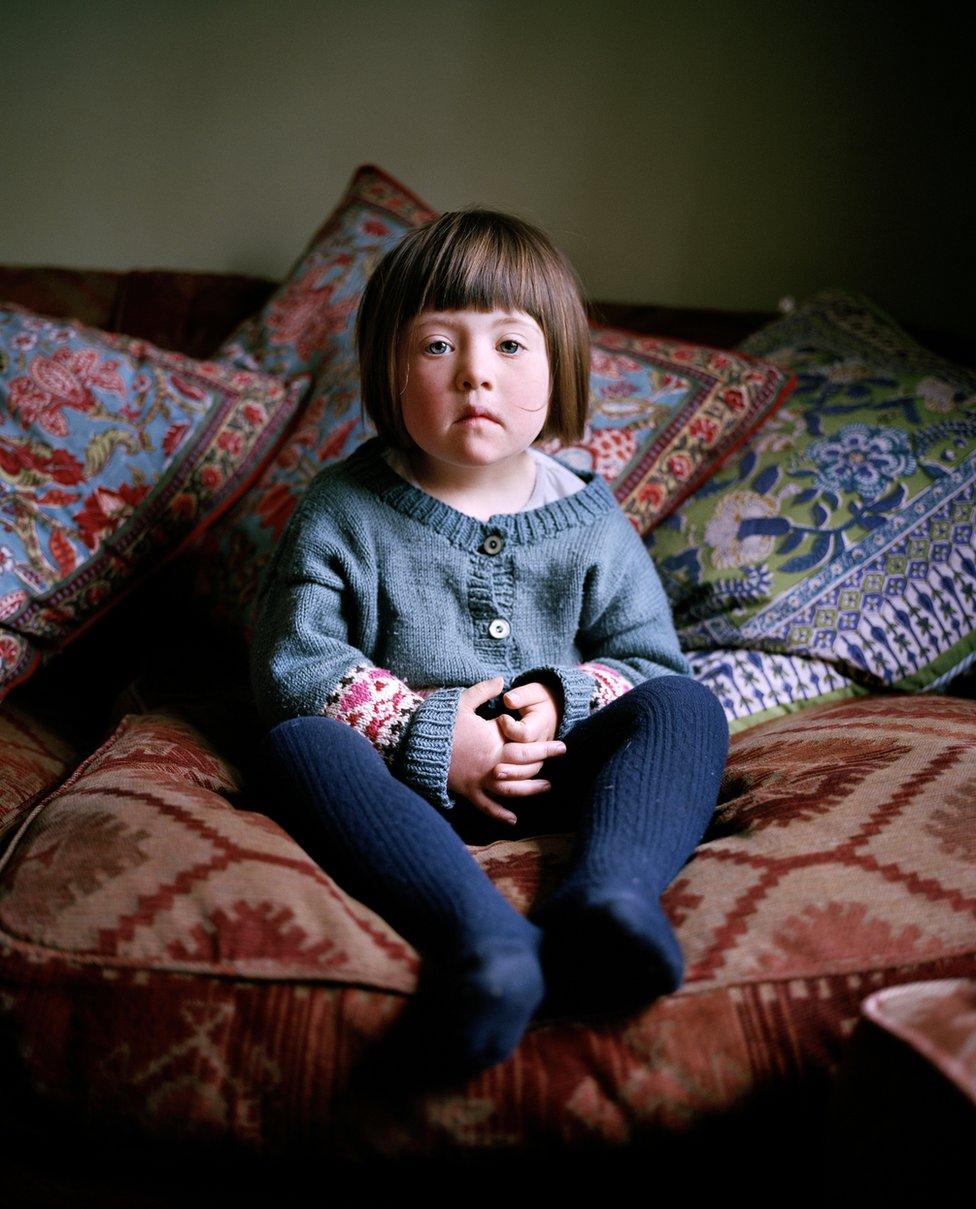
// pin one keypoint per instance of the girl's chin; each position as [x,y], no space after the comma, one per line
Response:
[476,445]
[473,457]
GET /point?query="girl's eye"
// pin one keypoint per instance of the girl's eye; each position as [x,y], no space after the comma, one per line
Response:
[436,346]
[518,344]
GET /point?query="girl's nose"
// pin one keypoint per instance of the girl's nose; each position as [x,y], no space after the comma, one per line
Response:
[474,371]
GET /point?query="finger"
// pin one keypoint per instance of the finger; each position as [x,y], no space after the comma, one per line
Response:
[527,729]
[483,691]
[526,694]
[535,730]
[515,772]
[511,728]
[530,753]
[522,730]
[521,789]
[495,809]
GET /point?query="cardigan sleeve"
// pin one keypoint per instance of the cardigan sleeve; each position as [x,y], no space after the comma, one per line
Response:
[302,662]
[626,633]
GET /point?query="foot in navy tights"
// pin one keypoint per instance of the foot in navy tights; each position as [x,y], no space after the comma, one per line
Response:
[461,1021]
[607,954]
[653,760]
[481,978]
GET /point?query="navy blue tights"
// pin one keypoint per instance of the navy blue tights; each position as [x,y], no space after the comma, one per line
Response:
[638,785]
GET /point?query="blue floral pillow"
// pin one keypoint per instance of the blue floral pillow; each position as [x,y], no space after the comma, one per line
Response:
[840,540]
[114,456]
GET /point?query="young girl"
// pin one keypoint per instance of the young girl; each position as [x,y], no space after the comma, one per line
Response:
[455,631]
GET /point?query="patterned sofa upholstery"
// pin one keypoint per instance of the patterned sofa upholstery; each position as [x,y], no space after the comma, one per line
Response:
[178,979]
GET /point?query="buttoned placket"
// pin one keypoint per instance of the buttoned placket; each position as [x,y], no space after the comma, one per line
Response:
[498,628]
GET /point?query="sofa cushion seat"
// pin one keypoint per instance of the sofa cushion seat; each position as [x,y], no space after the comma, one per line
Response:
[34,757]
[839,861]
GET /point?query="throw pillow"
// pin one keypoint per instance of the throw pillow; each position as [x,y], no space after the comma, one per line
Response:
[755,686]
[114,455]
[843,532]
[664,415]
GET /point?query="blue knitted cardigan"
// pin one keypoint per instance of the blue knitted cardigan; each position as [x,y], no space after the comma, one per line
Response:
[381,604]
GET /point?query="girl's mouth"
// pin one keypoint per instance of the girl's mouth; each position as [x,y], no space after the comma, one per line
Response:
[477,417]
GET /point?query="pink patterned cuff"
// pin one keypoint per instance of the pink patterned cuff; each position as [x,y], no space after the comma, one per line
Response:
[610,684]
[376,703]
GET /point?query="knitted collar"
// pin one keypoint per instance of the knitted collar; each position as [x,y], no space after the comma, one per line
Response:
[367,466]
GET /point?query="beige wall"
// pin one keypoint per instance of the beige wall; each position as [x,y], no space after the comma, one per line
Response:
[703,154]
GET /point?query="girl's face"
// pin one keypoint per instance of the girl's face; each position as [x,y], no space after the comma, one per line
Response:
[477,385]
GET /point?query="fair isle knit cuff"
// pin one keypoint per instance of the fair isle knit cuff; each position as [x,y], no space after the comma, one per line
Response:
[424,759]
[376,703]
[610,684]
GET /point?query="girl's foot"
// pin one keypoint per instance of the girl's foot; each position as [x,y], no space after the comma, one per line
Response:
[610,953]
[462,1019]
[487,1006]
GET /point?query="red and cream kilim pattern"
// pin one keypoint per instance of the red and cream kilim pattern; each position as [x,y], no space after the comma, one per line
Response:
[182,964]
[33,759]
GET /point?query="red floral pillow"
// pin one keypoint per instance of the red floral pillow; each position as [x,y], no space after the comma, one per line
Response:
[114,455]
[664,414]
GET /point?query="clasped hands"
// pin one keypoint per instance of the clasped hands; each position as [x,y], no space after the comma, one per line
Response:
[503,755]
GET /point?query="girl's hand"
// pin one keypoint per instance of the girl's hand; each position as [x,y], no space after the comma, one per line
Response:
[539,707]
[483,763]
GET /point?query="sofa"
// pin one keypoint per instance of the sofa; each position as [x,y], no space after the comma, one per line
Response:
[186,997]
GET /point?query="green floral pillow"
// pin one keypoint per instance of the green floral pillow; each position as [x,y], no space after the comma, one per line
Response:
[842,534]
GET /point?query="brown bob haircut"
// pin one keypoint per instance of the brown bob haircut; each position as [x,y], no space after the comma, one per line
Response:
[483,260]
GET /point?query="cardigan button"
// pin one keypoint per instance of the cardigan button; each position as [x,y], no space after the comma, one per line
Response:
[494,543]
[499,628]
